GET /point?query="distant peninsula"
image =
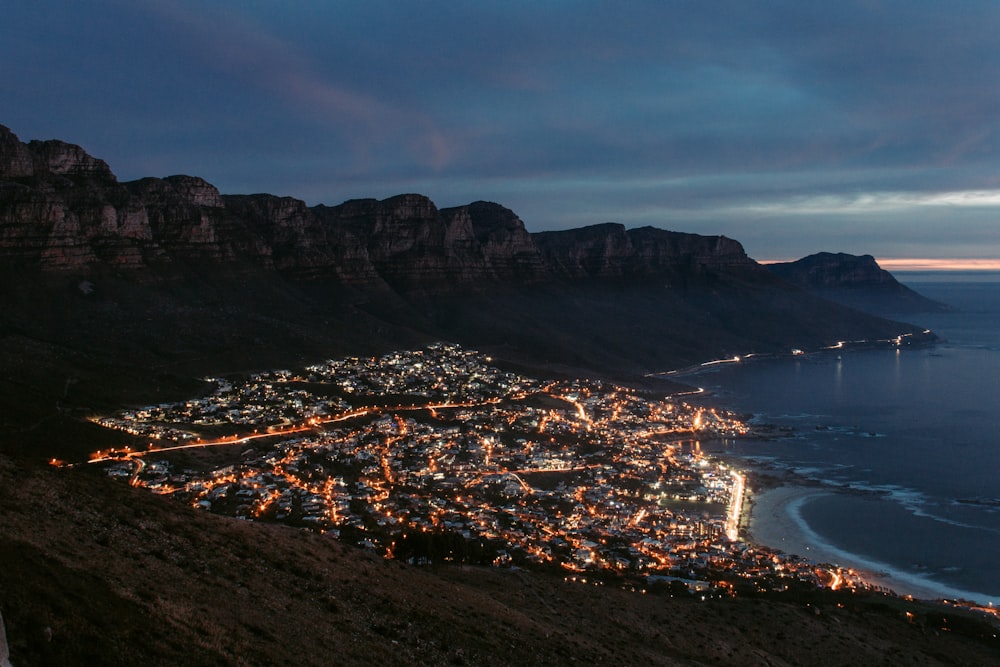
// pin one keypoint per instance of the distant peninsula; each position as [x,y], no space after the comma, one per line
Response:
[856,281]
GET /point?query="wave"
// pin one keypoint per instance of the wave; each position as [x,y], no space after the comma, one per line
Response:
[917,585]
[794,416]
[917,503]
[989,504]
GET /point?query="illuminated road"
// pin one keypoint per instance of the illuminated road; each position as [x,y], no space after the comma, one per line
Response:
[309,425]
[735,507]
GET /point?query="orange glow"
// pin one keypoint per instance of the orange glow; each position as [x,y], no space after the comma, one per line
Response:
[940,264]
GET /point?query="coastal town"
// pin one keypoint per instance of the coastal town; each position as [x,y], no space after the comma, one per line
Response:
[438,455]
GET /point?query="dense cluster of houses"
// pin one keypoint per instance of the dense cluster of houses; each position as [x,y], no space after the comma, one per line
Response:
[582,475]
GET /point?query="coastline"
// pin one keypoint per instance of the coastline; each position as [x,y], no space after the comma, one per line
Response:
[771,518]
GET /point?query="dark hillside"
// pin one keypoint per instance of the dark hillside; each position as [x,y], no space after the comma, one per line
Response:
[95,572]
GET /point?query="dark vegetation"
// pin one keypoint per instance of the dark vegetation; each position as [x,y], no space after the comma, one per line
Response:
[94,572]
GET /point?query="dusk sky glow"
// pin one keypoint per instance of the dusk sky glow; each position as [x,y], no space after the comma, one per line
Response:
[868,127]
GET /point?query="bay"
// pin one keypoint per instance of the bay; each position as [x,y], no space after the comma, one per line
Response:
[908,440]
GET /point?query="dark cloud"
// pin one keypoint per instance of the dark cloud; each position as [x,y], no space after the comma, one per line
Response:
[788,125]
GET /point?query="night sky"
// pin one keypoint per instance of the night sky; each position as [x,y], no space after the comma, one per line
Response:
[794,127]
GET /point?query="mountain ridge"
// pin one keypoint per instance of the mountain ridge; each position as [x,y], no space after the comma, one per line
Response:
[64,210]
[115,289]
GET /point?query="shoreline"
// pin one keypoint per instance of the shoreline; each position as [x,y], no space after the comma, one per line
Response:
[771,518]
[925,338]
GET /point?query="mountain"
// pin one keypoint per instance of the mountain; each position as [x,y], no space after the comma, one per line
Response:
[126,291]
[856,281]
[129,292]
[64,211]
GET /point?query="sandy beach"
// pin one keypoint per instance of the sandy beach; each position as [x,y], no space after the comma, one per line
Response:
[771,518]
[772,522]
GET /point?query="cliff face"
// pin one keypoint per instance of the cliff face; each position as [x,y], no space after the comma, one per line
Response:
[302,242]
[62,210]
[62,159]
[508,248]
[598,251]
[54,158]
[410,244]
[57,207]
[658,248]
[15,158]
[609,251]
[188,222]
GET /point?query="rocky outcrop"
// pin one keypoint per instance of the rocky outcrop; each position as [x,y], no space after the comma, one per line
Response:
[69,228]
[188,221]
[597,251]
[61,159]
[412,245]
[63,210]
[53,158]
[854,280]
[498,246]
[658,249]
[507,245]
[15,158]
[296,241]
[610,251]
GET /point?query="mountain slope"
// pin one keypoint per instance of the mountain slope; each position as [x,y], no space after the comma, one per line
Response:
[856,281]
[129,578]
[124,292]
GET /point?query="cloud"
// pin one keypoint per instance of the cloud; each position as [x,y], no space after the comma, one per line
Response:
[939,264]
[792,119]
[868,203]
[239,47]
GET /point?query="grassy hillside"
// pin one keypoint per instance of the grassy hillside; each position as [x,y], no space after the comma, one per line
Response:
[95,572]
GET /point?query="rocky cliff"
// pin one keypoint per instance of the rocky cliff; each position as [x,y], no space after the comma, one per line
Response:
[63,210]
[610,251]
[854,280]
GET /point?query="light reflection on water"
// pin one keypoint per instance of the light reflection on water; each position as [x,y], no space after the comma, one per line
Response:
[913,435]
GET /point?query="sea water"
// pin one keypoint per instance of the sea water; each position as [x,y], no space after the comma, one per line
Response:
[909,439]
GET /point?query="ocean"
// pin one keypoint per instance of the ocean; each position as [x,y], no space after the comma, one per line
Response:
[908,440]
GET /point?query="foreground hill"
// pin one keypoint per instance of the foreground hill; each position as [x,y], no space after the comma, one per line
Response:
[93,572]
[123,292]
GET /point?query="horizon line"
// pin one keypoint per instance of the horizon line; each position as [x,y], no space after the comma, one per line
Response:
[923,263]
